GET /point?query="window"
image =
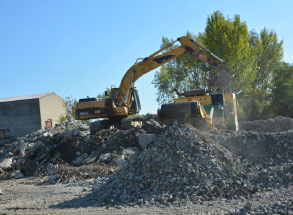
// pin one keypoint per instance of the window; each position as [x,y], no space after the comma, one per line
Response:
[4,134]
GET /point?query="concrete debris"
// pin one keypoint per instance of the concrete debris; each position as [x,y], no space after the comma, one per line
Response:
[184,164]
[68,143]
[156,164]
[145,139]
[277,124]
[18,175]
[6,164]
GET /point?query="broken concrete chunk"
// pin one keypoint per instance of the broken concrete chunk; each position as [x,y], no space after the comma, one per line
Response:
[120,162]
[37,146]
[145,139]
[104,157]
[22,146]
[30,167]
[78,160]
[53,179]
[6,164]
[76,132]
[129,123]
[18,175]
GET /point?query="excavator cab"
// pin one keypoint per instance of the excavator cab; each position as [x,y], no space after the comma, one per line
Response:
[114,92]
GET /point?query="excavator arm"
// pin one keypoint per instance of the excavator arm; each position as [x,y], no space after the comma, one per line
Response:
[155,60]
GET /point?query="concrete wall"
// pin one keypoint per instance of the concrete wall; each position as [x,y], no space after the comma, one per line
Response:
[20,117]
[52,107]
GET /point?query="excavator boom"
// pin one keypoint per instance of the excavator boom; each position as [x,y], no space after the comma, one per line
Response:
[155,60]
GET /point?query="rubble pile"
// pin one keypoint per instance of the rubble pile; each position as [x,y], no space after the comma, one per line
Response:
[68,143]
[277,124]
[157,164]
[267,156]
[181,164]
[258,147]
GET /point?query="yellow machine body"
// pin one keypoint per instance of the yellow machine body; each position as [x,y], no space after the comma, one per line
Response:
[124,100]
[207,111]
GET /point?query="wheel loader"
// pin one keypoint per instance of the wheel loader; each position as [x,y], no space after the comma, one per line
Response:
[203,109]
[124,101]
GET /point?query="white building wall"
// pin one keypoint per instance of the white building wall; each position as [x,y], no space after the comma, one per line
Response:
[52,107]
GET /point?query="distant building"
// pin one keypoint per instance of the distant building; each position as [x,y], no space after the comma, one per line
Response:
[22,115]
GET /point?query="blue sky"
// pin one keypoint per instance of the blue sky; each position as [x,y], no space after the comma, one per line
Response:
[79,48]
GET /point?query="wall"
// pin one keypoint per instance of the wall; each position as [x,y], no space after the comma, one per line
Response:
[21,117]
[52,107]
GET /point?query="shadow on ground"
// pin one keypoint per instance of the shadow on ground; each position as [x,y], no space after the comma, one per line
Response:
[80,202]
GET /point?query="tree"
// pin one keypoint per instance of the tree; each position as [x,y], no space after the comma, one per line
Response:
[228,39]
[70,115]
[268,53]
[252,59]
[282,91]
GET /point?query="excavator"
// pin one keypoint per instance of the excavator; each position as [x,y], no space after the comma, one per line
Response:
[124,101]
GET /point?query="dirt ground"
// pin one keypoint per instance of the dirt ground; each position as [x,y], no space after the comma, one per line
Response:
[27,196]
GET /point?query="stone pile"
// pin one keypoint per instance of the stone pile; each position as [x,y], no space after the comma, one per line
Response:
[277,124]
[70,143]
[180,165]
[157,164]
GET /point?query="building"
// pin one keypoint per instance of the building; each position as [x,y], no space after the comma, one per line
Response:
[22,115]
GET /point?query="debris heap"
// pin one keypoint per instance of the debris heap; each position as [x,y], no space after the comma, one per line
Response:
[68,143]
[277,124]
[181,164]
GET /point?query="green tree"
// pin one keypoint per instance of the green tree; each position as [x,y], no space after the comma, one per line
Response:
[228,39]
[252,59]
[70,115]
[268,52]
[282,91]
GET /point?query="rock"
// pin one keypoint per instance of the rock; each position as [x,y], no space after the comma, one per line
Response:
[129,151]
[22,146]
[104,157]
[1,171]
[37,146]
[53,179]
[247,206]
[91,158]
[78,160]
[18,175]
[120,162]
[6,164]
[30,167]
[153,127]
[76,132]
[145,139]
[129,123]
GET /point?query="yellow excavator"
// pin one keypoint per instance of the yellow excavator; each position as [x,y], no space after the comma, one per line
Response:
[124,101]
